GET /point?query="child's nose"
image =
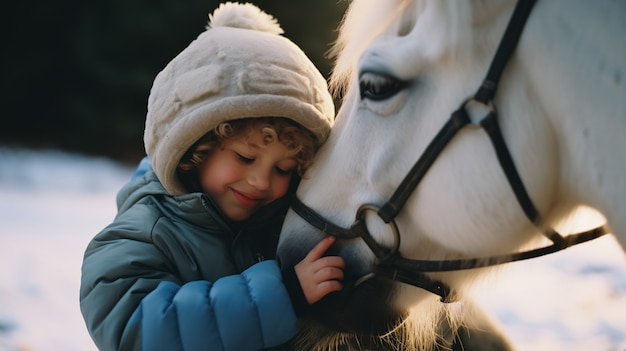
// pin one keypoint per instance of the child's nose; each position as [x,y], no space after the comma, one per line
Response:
[260,179]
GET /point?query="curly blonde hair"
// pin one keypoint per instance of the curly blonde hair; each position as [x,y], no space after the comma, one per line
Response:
[300,142]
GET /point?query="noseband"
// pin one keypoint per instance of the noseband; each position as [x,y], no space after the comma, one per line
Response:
[389,261]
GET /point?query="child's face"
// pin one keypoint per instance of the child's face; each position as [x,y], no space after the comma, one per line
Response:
[245,175]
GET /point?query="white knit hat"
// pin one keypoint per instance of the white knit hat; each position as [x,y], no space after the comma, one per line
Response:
[239,67]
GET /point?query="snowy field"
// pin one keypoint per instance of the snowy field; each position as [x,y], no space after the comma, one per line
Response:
[52,203]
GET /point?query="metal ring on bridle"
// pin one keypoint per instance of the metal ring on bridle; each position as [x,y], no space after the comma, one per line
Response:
[491,107]
[360,216]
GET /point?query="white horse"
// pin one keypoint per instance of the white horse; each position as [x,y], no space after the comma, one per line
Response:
[405,66]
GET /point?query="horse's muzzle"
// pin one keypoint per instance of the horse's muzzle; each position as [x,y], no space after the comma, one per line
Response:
[364,306]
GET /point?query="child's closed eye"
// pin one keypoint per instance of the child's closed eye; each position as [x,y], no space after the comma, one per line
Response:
[284,172]
[243,158]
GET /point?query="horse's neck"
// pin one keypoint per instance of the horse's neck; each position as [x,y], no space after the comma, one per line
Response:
[575,61]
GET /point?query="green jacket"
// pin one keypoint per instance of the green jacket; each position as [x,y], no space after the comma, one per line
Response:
[170,273]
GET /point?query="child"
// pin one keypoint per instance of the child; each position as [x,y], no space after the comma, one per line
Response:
[188,262]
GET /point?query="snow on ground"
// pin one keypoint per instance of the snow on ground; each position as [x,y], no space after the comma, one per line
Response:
[52,203]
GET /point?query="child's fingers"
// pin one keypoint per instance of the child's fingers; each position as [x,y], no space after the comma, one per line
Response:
[329,273]
[328,261]
[320,248]
[328,286]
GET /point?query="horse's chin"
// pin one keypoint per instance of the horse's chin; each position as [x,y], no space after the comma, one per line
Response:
[365,309]
[363,318]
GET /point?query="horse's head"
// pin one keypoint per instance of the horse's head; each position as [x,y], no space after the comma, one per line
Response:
[405,67]
[400,89]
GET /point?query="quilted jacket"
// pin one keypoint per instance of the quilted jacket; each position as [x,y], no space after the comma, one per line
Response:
[171,273]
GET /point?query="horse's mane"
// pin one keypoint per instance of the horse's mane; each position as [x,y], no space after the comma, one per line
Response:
[367,19]
[363,21]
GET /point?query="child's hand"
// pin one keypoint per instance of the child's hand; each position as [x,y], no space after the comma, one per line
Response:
[319,275]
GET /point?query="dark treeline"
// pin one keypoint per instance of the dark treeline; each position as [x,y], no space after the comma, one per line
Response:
[76,74]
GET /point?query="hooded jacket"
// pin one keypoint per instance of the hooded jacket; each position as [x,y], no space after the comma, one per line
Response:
[170,273]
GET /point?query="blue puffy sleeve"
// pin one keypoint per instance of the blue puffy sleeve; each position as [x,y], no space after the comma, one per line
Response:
[248,311]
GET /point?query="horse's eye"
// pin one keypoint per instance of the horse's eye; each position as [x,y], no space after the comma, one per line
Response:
[379,87]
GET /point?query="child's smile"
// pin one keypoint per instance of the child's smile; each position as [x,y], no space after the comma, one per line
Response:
[245,175]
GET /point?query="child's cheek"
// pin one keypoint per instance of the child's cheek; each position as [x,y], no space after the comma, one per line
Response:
[281,187]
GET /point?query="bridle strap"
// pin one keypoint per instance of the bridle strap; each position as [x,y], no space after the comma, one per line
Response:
[411,265]
[492,128]
[456,122]
[507,45]
[459,118]
[319,222]
[386,259]
[392,265]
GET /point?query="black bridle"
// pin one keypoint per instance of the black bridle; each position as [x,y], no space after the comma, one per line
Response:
[390,263]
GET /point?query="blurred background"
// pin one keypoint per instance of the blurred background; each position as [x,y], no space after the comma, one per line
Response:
[75,78]
[76,74]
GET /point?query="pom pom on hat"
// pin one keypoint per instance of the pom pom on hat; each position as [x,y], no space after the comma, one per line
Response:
[240,67]
[245,16]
